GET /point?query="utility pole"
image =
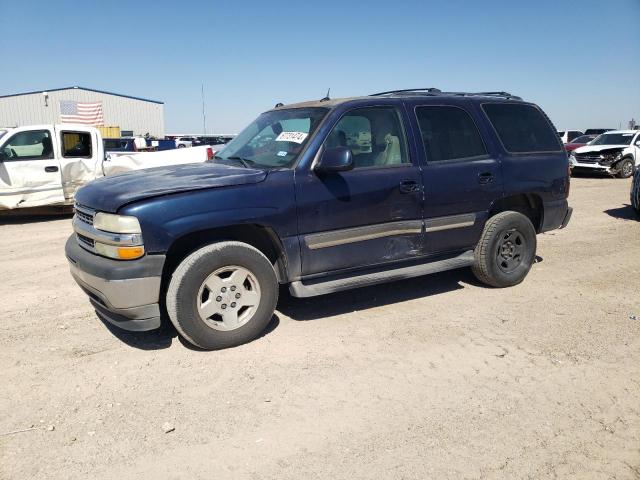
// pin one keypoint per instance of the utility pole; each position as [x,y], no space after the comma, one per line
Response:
[204,116]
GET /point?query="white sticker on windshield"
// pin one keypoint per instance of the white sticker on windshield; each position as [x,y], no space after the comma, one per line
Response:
[296,137]
[282,154]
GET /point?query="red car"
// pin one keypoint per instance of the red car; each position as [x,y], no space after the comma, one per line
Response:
[581,141]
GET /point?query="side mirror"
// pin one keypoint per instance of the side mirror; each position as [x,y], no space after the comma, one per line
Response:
[638,143]
[338,159]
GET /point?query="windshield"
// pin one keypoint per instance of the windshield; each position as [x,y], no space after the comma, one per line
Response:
[274,139]
[613,139]
[582,139]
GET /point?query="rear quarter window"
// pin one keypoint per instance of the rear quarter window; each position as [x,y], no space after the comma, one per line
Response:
[522,128]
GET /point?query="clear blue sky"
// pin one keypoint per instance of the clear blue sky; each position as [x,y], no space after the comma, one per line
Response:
[579,60]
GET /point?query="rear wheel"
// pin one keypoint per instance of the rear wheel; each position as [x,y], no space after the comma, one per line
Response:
[222,295]
[626,168]
[506,250]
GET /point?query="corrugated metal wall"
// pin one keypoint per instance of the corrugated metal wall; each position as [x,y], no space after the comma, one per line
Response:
[127,113]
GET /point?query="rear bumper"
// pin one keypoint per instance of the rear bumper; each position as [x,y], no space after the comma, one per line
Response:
[556,215]
[124,293]
[567,217]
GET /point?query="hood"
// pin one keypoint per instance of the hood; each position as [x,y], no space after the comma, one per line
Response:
[600,148]
[108,194]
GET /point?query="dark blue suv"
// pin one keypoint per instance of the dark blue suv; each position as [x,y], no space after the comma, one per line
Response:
[322,196]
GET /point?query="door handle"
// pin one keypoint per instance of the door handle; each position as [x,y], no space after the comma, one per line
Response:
[50,169]
[409,186]
[485,177]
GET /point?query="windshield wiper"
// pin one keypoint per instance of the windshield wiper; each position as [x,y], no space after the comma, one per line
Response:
[246,163]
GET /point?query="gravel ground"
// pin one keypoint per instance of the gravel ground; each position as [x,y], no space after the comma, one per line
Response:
[435,377]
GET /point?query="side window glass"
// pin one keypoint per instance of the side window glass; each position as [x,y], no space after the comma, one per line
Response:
[31,145]
[448,133]
[522,128]
[375,137]
[76,145]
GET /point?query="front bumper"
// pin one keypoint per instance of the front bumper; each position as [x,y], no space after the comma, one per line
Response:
[593,167]
[124,293]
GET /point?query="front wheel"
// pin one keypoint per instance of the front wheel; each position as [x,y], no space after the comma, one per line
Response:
[635,191]
[626,168]
[506,250]
[222,295]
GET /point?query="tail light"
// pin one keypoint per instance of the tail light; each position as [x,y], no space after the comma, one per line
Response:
[209,153]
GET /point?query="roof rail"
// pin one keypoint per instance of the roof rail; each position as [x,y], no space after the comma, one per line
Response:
[428,90]
[436,91]
[506,95]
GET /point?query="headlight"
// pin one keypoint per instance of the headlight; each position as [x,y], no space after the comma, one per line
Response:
[609,159]
[108,222]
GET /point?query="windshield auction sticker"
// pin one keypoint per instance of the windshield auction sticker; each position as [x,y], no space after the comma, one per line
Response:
[296,137]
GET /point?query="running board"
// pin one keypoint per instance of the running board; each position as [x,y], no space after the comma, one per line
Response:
[300,289]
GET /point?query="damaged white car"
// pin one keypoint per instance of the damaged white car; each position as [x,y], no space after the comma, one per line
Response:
[42,165]
[615,153]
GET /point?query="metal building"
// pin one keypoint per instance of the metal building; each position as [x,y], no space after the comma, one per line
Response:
[134,115]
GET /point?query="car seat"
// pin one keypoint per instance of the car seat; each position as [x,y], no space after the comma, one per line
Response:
[47,148]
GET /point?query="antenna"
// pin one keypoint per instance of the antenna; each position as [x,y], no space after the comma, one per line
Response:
[326,99]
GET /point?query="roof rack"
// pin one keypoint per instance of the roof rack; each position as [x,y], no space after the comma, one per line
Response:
[436,91]
[506,95]
[428,90]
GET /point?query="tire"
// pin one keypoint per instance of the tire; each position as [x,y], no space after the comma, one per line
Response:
[635,191]
[506,250]
[222,295]
[626,168]
[181,145]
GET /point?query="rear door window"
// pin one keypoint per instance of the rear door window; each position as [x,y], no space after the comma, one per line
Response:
[76,144]
[449,133]
[522,128]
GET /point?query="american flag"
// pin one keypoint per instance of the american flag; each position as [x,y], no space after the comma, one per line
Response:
[81,112]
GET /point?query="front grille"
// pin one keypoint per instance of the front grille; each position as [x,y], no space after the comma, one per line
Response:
[86,241]
[84,214]
[588,158]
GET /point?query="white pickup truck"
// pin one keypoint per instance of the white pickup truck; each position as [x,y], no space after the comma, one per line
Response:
[45,164]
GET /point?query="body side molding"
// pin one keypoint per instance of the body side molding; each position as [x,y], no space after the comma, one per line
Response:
[454,221]
[359,234]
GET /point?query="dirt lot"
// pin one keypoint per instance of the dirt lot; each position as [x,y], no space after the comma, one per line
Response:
[436,377]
